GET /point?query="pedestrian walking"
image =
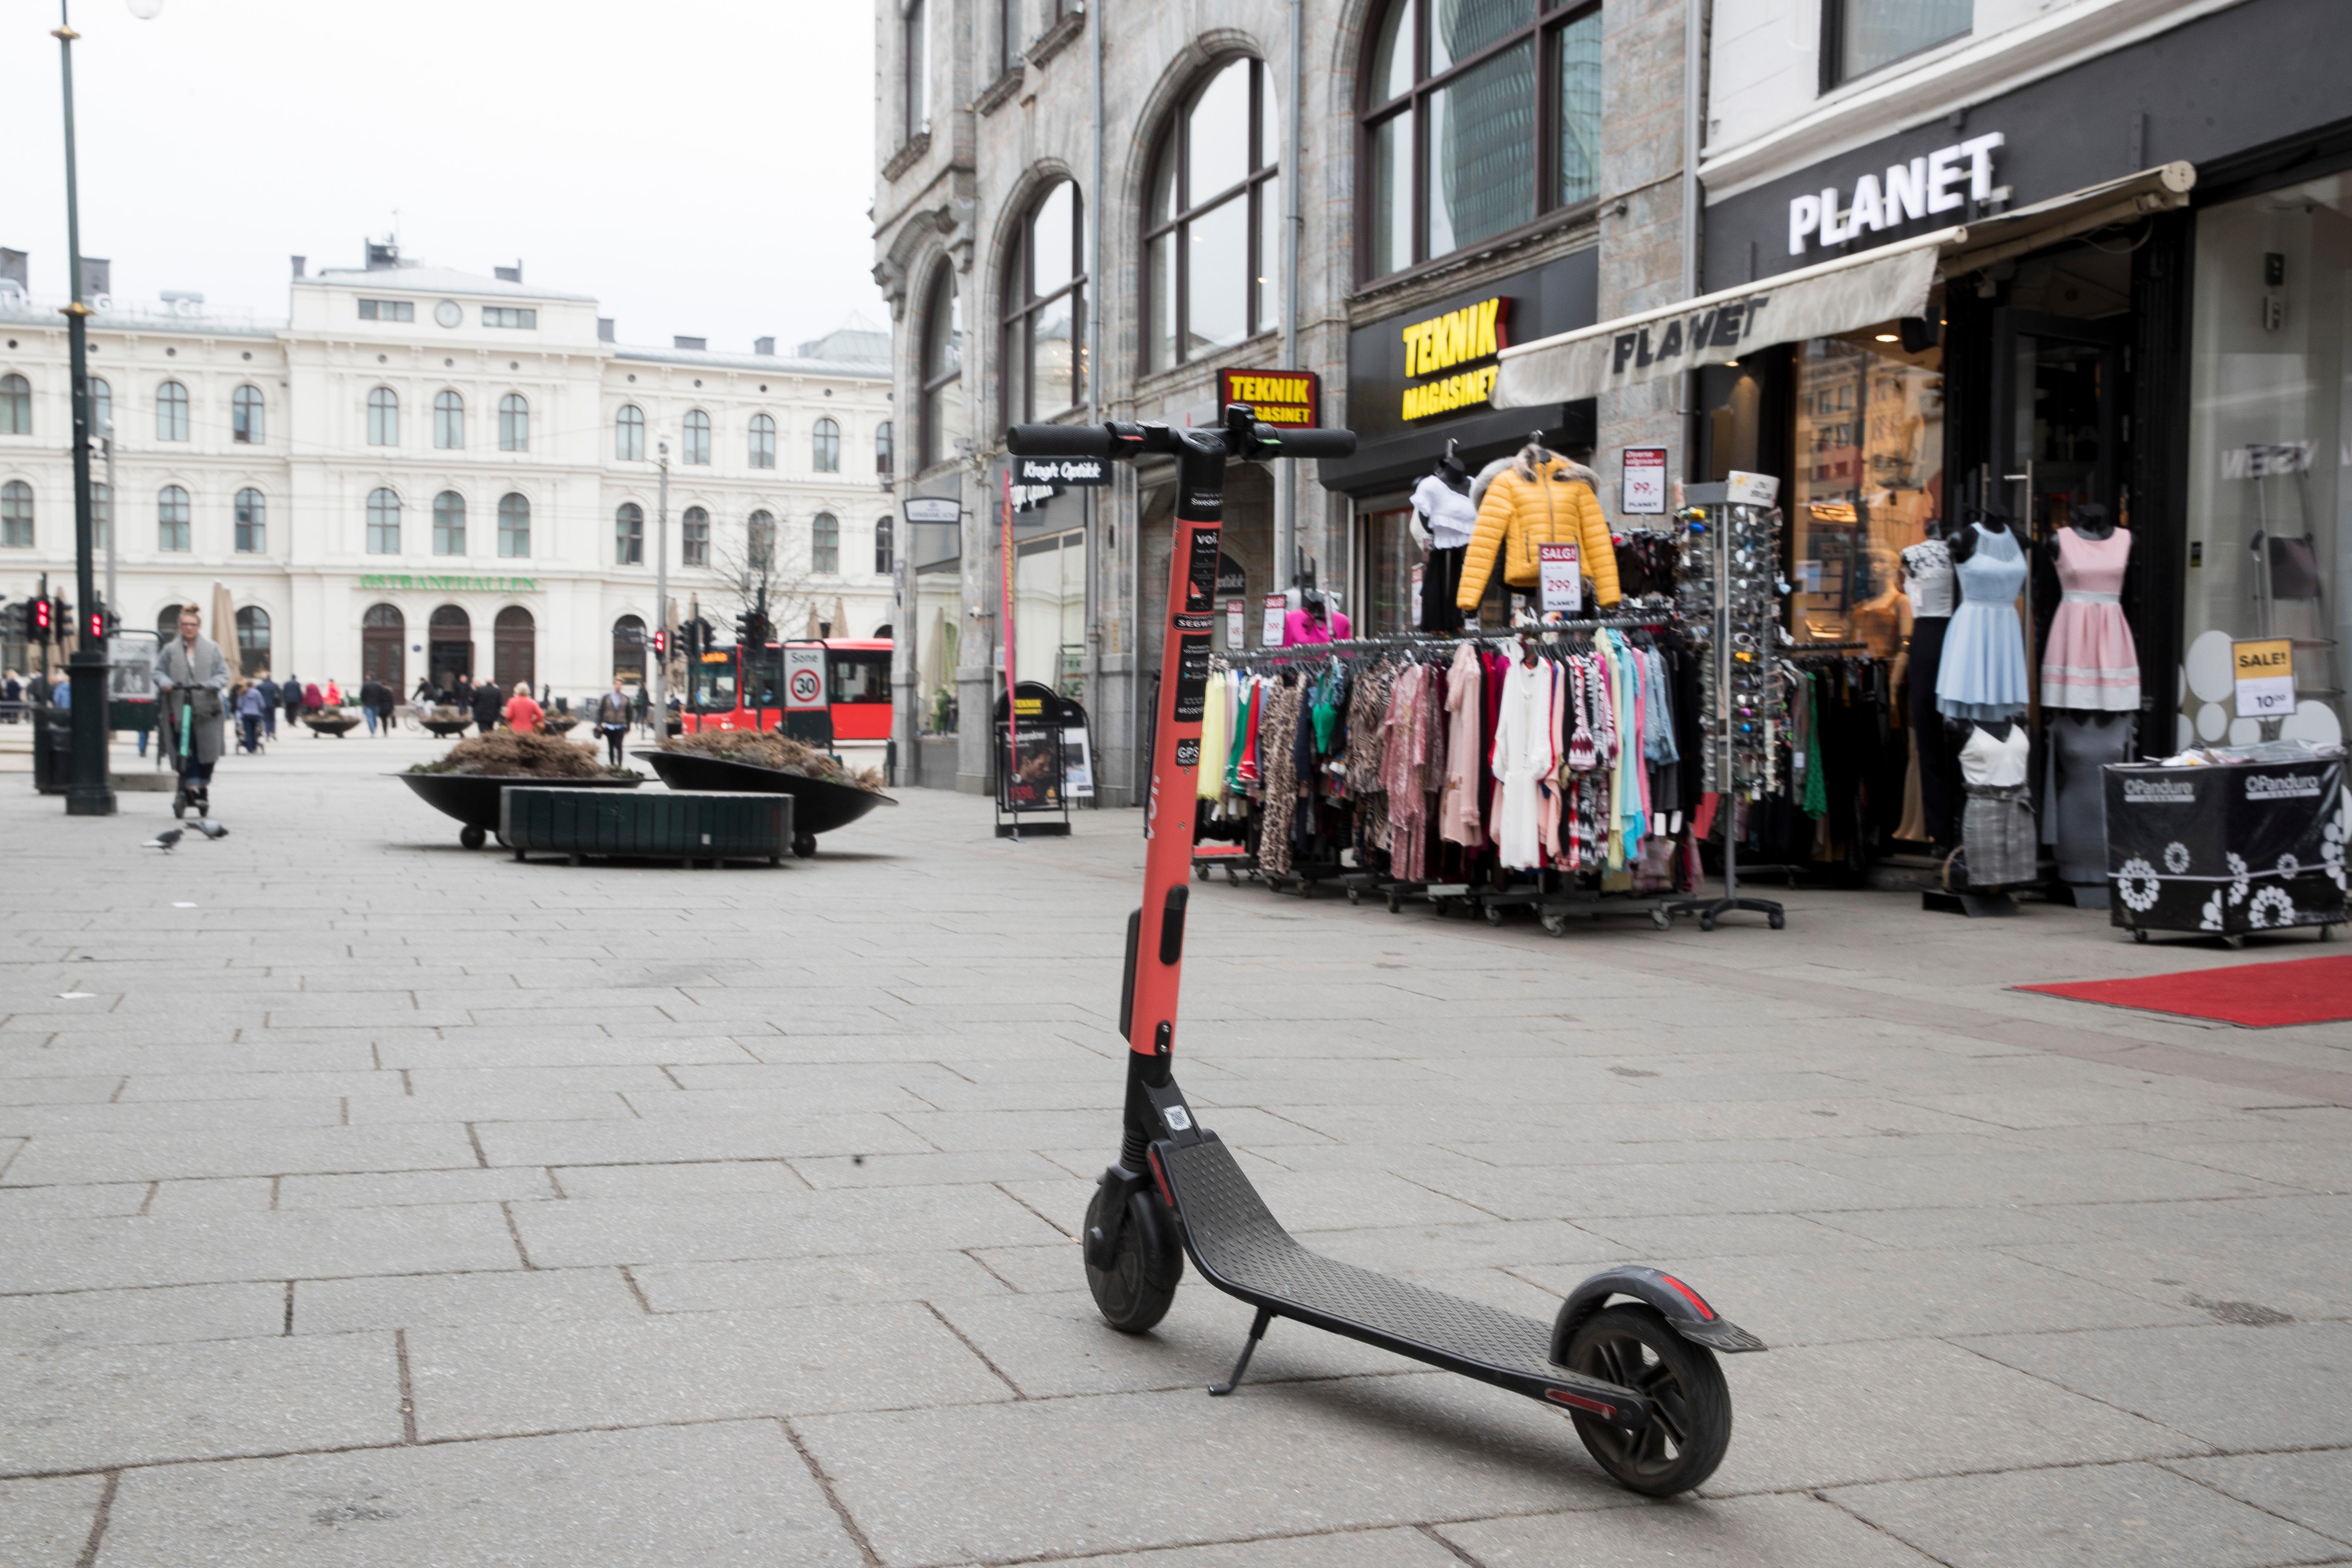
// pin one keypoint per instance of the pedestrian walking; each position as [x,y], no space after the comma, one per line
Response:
[461,693]
[487,702]
[291,690]
[12,692]
[250,707]
[190,676]
[311,700]
[613,721]
[643,706]
[387,699]
[369,692]
[523,712]
[271,696]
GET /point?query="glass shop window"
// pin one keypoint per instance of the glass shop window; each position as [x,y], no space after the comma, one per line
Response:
[1866,481]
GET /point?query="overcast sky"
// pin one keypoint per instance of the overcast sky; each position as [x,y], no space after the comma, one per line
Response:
[701,166]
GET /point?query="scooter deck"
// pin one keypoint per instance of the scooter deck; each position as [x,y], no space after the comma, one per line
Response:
[1242,1249]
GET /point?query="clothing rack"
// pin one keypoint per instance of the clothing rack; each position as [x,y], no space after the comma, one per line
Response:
[1423,640]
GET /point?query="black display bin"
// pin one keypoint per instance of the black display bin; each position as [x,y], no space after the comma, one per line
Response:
[2227,849]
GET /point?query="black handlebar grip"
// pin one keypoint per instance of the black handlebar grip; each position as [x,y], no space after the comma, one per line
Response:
[1307,443]
[1058,441]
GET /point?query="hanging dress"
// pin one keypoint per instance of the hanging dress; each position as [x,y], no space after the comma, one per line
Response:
[1982,673]
[1525,755]
[1457,810]
[1403,744]
[1216,736]
[2090,663]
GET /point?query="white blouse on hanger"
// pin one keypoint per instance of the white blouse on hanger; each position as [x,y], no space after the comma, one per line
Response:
[1448,512]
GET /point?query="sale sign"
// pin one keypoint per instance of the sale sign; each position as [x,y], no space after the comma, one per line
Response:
[2265,672]
[1562,578]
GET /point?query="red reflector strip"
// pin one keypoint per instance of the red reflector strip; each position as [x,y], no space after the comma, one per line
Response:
[1562,1397]
[1704,1311]
[1159,1176]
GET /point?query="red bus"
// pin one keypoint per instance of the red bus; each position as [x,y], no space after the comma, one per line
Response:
[732,692]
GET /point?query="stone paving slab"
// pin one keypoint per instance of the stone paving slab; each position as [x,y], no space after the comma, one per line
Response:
[731,1495]
[552,1215]
[2126,1516]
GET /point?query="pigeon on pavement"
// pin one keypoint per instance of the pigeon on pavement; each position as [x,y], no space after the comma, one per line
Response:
[165,839]
[210,829]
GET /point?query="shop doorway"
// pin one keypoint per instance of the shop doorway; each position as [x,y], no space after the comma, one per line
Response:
[451,646]
[383,638]
[2057,413]
[514,647]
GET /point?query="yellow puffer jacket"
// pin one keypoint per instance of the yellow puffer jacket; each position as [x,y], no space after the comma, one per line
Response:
[1559,505]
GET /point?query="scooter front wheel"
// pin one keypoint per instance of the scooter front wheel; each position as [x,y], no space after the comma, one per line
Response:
[1146,1263]
[1633,1347]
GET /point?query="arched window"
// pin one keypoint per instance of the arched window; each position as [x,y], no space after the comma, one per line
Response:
[514,638]
[629,650]
[883,455]
[629,433]
[245,418]
[824,543]
[1476,119]
[171,411]
[1210,230]
[448,524]
[942,370]
[694,537]
[883,530]
[252,522]
[514,423]
[172,519]
[101,407]
[1045,310]
[17,515]
[450,642]
[514,526]
[695,437]
[448,421]
[382,522]
[763,441]
[629,535]
[252,640]
[15,406]
[825,448]
[760,534]
[383,633]
[167,622]
[384,417]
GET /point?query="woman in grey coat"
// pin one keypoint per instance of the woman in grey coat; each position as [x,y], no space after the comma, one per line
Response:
[190,676]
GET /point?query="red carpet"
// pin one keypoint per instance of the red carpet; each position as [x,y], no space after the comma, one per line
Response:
[2258,996]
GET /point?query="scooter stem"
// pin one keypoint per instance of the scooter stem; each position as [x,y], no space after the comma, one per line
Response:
[1156,936]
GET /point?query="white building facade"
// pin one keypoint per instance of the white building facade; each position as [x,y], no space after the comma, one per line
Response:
[429,470]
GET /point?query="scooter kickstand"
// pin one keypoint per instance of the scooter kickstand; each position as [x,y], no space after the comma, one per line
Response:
[1249,1349]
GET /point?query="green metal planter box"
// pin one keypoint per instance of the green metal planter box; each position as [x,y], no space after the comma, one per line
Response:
[709,826]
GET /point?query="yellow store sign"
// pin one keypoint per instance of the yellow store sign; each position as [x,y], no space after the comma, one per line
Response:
[1440,343]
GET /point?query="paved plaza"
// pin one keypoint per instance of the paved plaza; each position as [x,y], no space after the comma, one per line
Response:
[364,1201]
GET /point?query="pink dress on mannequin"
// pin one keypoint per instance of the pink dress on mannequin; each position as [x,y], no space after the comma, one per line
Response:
[2091,663]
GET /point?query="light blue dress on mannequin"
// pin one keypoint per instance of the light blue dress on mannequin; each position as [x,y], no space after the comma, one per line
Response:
[1982,676]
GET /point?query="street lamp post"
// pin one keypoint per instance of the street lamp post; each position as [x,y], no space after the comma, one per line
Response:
[661,599]
[91,793]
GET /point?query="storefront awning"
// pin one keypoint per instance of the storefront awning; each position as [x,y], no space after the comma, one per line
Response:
[1831,297]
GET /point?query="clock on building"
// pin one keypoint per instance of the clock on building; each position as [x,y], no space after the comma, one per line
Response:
[448,314]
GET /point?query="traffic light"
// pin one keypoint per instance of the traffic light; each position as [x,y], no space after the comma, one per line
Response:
[98,622]
[40,620]
[661,645]
[61,616]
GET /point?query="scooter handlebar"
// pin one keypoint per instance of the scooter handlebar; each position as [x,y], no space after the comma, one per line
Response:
[1310,443]
[1058,441]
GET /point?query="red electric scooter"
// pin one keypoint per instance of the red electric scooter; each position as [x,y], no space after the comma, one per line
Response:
[1638,1377]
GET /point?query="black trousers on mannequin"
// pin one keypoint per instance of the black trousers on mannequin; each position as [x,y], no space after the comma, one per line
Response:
[1441,579]
[1940,790]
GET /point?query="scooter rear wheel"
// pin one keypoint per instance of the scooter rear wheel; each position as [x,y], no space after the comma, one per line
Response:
[1633,1347]
[1136,1291]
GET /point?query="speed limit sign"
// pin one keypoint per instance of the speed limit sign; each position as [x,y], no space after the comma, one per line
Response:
[803,678]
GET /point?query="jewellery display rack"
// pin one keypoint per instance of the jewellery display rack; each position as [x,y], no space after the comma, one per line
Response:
[1729,581]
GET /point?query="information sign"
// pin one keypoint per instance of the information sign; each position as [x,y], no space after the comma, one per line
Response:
[2265,672]
[1276,607]
[1645,483]
[1562,578]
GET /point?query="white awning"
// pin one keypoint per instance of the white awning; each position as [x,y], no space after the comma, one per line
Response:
[1843,295]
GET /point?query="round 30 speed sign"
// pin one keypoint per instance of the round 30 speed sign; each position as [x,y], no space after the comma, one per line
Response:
[804,686]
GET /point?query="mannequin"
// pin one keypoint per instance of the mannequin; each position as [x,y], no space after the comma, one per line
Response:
[1928,583]
[1996,828]
[1443,517]
[1981,672]
[1316,620]
[2090,683]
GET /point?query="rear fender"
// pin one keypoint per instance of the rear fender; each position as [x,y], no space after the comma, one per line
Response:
[1682,1307]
